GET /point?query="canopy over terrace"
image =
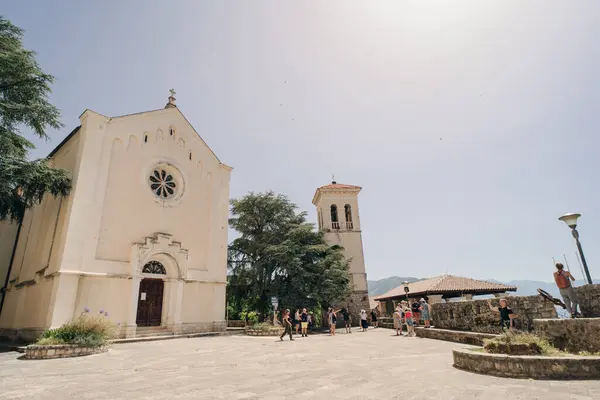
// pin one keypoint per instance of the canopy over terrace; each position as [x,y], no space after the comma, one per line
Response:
[442,287]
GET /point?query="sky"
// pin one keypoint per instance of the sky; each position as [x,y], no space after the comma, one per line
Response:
[471,126]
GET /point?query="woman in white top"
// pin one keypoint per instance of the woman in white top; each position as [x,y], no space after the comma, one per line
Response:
[363,320]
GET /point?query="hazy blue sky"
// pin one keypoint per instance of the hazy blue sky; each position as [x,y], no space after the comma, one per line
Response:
[469,124]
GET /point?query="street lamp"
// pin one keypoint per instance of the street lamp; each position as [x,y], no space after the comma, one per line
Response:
[571,221]
[406,290]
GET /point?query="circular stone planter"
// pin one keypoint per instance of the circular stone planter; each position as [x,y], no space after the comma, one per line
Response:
[262,332]
[534,367]
[45,352]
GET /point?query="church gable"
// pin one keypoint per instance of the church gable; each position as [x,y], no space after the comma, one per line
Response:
[160,177]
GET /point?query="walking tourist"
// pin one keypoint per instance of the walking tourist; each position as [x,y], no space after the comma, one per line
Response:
[425,308]
[347,320]
[374,318]
[310,321]
[304,322]
[410,323]
[398,321]
[363,320]
[415,306]
[563,281]
[332,319]
[506,315]
[297,320]
[287,325]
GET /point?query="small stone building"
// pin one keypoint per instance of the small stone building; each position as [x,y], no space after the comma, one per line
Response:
[440,288]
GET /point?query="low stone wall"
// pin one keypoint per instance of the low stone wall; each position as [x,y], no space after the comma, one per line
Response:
[534,367]
[236,323]
[36,352]
[475,315]
[589,300]
[572,335]
[474,338]
[260,332]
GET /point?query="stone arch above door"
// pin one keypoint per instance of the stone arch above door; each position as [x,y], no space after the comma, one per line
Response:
[163,249]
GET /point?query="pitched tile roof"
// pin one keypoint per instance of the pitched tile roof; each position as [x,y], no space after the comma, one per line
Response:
[339,186]
[447,284]
[372,303]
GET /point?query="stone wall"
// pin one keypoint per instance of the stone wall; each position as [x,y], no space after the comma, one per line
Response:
[236,323]
[572,335]
[589,300]
[569,367]
[35,352]
[476,316]
[473,338]
[358,300]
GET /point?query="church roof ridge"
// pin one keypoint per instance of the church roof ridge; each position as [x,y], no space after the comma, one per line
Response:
[68,137]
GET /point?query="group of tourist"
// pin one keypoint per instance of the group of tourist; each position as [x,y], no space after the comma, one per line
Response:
[302,321]
[409,316]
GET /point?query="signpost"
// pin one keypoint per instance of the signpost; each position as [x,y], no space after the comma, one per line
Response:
[275,303]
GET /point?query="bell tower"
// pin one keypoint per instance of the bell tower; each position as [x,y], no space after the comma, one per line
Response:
[338,218]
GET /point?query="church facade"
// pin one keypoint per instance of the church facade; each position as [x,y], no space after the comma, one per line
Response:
[142,234]
[339,220]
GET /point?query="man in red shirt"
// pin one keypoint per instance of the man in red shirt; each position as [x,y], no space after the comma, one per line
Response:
[563,281]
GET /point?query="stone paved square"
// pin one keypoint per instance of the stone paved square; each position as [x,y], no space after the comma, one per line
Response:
[371,365]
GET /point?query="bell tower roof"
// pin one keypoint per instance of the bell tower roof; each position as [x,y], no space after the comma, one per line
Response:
[334,187]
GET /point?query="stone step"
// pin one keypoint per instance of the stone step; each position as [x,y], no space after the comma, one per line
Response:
[152,331]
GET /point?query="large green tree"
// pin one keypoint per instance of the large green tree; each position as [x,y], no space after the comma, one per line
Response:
[279,254]
[24,90]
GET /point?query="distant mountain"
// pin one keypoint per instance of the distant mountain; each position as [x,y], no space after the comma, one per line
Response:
[384,285]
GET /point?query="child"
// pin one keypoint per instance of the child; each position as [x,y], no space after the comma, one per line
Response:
[506,315]
[410,323]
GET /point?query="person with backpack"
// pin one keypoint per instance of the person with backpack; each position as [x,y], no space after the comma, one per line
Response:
[563,281]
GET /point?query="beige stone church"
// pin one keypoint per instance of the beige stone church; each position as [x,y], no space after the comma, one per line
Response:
[142,235]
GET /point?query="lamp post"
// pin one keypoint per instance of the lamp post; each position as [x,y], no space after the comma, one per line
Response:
[406,290]
[571,221]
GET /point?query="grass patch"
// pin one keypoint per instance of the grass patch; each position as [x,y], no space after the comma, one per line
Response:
[537,345]
[85,330]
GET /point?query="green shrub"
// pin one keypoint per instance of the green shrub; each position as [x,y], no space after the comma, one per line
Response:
[85,330]
[589,353]
[263,326]
[544,346]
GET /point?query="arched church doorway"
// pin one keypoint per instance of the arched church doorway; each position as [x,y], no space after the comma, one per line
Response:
[150,299]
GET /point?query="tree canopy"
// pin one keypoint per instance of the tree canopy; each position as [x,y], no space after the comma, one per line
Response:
[279,254]
[24,90]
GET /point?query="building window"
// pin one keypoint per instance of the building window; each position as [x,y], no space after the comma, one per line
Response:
[162,183]
[335,223]
[348,214]
[145,138]
[154,267]
[171,131]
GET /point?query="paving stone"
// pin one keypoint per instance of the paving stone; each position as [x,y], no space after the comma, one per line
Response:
[370,365]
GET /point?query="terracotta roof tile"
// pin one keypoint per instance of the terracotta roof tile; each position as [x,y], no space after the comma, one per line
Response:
[447,284]
[339,186]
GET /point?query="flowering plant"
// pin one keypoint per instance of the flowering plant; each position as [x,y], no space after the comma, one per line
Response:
[87,329]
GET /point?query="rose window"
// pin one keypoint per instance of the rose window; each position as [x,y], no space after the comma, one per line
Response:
[162,183]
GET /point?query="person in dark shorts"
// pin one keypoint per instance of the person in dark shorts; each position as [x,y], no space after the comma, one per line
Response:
[287,325]
[506,315]
[374,318]
[347,320]
[416,312]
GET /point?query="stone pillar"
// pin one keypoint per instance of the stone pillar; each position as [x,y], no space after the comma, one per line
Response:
[468,297]
[130,325]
